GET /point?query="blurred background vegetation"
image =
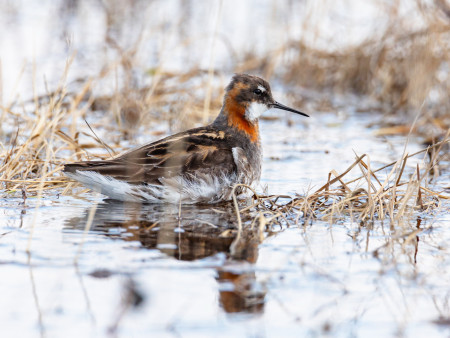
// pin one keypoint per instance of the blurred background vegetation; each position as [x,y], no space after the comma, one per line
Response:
[127,65]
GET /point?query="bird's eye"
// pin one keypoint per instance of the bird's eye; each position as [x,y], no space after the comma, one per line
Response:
[257,91]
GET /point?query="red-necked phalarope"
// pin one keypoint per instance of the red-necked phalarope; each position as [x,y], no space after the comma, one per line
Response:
[199,165]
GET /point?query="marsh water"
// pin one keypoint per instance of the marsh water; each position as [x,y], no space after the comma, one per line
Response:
[79,265]
[167,271]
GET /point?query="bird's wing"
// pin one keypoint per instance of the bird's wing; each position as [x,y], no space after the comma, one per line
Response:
[195,152]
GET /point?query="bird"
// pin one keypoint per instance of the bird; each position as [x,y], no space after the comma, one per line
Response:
[196,166]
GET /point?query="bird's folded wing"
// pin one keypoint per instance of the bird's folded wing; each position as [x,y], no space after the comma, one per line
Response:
[198,152]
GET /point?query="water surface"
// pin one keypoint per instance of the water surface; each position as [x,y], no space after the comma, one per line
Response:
[168,271]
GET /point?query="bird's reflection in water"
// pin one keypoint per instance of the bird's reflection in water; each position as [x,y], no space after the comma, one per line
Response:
[189,232]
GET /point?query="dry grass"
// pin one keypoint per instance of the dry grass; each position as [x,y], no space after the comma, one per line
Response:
[50,137]
[404,70]
[58,128]
[365,199]
[399,71]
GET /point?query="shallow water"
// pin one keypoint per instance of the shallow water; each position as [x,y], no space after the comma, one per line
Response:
[164,271]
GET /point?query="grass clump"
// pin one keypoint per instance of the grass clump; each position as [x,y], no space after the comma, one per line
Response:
[365,199]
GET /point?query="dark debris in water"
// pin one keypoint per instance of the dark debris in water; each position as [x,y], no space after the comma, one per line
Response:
[134,296]
[101,273]
[442,321]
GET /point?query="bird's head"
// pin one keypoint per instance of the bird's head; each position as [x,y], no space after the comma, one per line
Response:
[247,98]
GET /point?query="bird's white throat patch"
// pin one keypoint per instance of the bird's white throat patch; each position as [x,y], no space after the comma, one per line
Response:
[255,110]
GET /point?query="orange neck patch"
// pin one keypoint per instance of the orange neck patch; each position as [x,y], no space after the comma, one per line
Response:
[236,116]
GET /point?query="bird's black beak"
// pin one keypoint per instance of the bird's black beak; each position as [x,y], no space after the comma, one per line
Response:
[283,107]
